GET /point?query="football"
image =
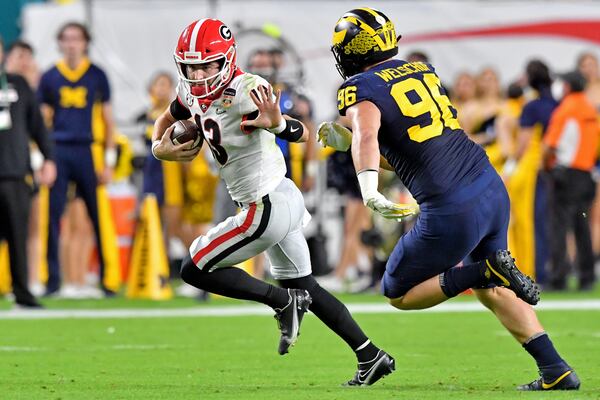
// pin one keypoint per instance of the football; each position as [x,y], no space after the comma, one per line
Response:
[185,131]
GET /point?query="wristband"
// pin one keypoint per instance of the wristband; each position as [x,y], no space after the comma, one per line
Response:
[294,130]
[110,157]
[368,180]
[154,144]
[509,167]
[279,128]
[311,168]
[36,159]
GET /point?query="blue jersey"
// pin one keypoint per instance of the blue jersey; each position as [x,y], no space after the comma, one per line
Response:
[419,135]
[75,96]
[538,111]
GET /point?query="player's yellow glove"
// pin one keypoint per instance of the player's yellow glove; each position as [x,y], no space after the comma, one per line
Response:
[390,210]
[368,181]
[334,135]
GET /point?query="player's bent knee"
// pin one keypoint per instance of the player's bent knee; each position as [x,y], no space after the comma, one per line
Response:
[399,303]
[491,296]
[189,271]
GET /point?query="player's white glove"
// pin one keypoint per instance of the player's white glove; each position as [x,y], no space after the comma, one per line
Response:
[368,180]
[334,135]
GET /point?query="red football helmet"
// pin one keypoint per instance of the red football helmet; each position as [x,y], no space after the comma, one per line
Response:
[204,41]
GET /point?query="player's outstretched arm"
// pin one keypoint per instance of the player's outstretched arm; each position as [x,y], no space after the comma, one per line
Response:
[162,146]
[271,119]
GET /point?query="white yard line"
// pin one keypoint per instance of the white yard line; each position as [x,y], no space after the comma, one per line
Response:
[20,348]
[243,310]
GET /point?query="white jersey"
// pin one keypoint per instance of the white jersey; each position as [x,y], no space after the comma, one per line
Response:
[251,164]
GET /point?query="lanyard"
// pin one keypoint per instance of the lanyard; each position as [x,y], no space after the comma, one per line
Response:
[3,89]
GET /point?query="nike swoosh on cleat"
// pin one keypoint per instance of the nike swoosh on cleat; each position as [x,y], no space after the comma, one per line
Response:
[362,378]
[556,381]
[502,278]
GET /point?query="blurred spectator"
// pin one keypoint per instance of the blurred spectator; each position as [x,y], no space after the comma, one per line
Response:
[20,60]
[356,217]
[533,208]
[200,181]
[488,102]
[516,175]
[587,64]
[161,178]
[464,92]
[73,94]
[261,63]
[506,126]
[300,158]
[570,151]
[75,248]
[417,55]
[20,121]
[200,186]
[278,62]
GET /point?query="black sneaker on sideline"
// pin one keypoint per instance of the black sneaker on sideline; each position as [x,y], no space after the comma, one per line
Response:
[502,271]
[28,305]
[289,318]
[567,381]
[370,372]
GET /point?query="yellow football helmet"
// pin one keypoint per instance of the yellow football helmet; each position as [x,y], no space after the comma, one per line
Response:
[362,37]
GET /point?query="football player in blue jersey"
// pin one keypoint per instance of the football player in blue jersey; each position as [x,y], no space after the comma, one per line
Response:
[403,120]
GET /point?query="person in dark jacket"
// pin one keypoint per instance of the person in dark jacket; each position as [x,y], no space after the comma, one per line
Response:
[20,122]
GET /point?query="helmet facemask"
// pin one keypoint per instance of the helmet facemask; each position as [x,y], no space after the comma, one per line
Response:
[345,66]
[209,86]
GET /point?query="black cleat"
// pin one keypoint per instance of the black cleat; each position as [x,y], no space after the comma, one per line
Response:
[502,271]
[370,372]
[567,381]
[289,318]
[30,304]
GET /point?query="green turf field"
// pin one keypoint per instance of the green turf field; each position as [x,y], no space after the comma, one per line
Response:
[457,355]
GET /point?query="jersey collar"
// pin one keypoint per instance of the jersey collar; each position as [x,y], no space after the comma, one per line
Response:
[73,75]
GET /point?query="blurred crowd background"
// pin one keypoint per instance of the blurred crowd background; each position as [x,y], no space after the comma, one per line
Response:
[515,80]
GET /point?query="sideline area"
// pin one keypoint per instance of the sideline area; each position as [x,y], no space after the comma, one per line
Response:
[248,310]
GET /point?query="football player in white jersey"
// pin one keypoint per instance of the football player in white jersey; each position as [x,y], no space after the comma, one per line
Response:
[239,116]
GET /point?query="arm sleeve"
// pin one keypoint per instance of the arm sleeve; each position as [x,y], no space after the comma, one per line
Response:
[555,128]
[528,116]
[104,87]
[43,91]
[35,122]
[178,110]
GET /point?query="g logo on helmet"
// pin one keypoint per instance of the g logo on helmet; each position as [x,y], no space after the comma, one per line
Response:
[225,32]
